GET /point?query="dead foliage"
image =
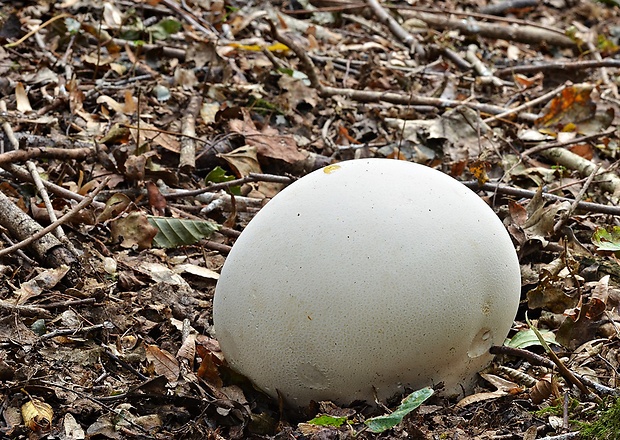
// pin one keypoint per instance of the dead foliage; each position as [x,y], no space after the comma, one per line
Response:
[139,138]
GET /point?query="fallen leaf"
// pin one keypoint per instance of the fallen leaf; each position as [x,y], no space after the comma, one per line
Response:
[163,362]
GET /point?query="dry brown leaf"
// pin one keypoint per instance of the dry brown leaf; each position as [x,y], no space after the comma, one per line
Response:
[504,387]
[269,142]
[163,362]
[573,105]
[135,230]
[157,201]
[21,99]
[243,161]
[188,349]
[598,299]
[151,134]
[44,281]
[208,369]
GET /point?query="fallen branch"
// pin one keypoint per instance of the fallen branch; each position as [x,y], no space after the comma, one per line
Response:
[609,181]
[558,144]
[252,177]
[26,227]
[527,194]
[187,155]
[25,310]
[22,174]
[75,331]
[537,359]
[564,66]
[400,33]
[524,33]
[49,153]
[479,15]
[307,66]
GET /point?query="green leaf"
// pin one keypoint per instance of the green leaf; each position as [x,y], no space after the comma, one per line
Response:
[409,403]
[610,2]
[173,232]
[527,338]
[296,74]
[218,175]
[165,28]
[607,239]
[327,420]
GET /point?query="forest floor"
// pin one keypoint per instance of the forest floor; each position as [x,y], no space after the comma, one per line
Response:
[123,119]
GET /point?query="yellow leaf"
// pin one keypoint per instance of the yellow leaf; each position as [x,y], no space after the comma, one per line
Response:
[37,415]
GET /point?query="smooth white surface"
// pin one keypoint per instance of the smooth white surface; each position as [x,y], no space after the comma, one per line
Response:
[371,272]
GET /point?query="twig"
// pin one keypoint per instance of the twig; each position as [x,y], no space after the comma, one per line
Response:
[217,246]
[19,252]
[50,153]
[58,232]
[524,193]
[604,74]
[75,331]
[125,365]
[65,218]
[22,174]
[400,33]
[544,98]
[523,32]
[31,33]
[187,155]
[67,304]
[540,360]
[351,7]
[566,215]
[25,310]
[506,5]
[566,66]
[8,130]
[306,63]
[102,405]
[172,133]
[479,67]
[577,140]
[453,56]
[252,177]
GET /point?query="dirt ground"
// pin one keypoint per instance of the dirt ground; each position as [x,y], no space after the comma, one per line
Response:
[144,136]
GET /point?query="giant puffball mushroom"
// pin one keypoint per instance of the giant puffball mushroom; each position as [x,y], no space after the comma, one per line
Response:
[371,273]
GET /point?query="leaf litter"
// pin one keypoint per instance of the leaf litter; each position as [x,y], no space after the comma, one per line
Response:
[106,331]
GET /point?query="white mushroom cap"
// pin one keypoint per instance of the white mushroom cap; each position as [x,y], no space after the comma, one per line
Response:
[369,273]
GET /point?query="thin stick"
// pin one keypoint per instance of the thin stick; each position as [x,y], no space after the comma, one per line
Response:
[527,194]
[21,173]
[74,331]
[544,98]
[31,33]
[65,218]
[252,177]
[562,221]
[396,29]
[577,140]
